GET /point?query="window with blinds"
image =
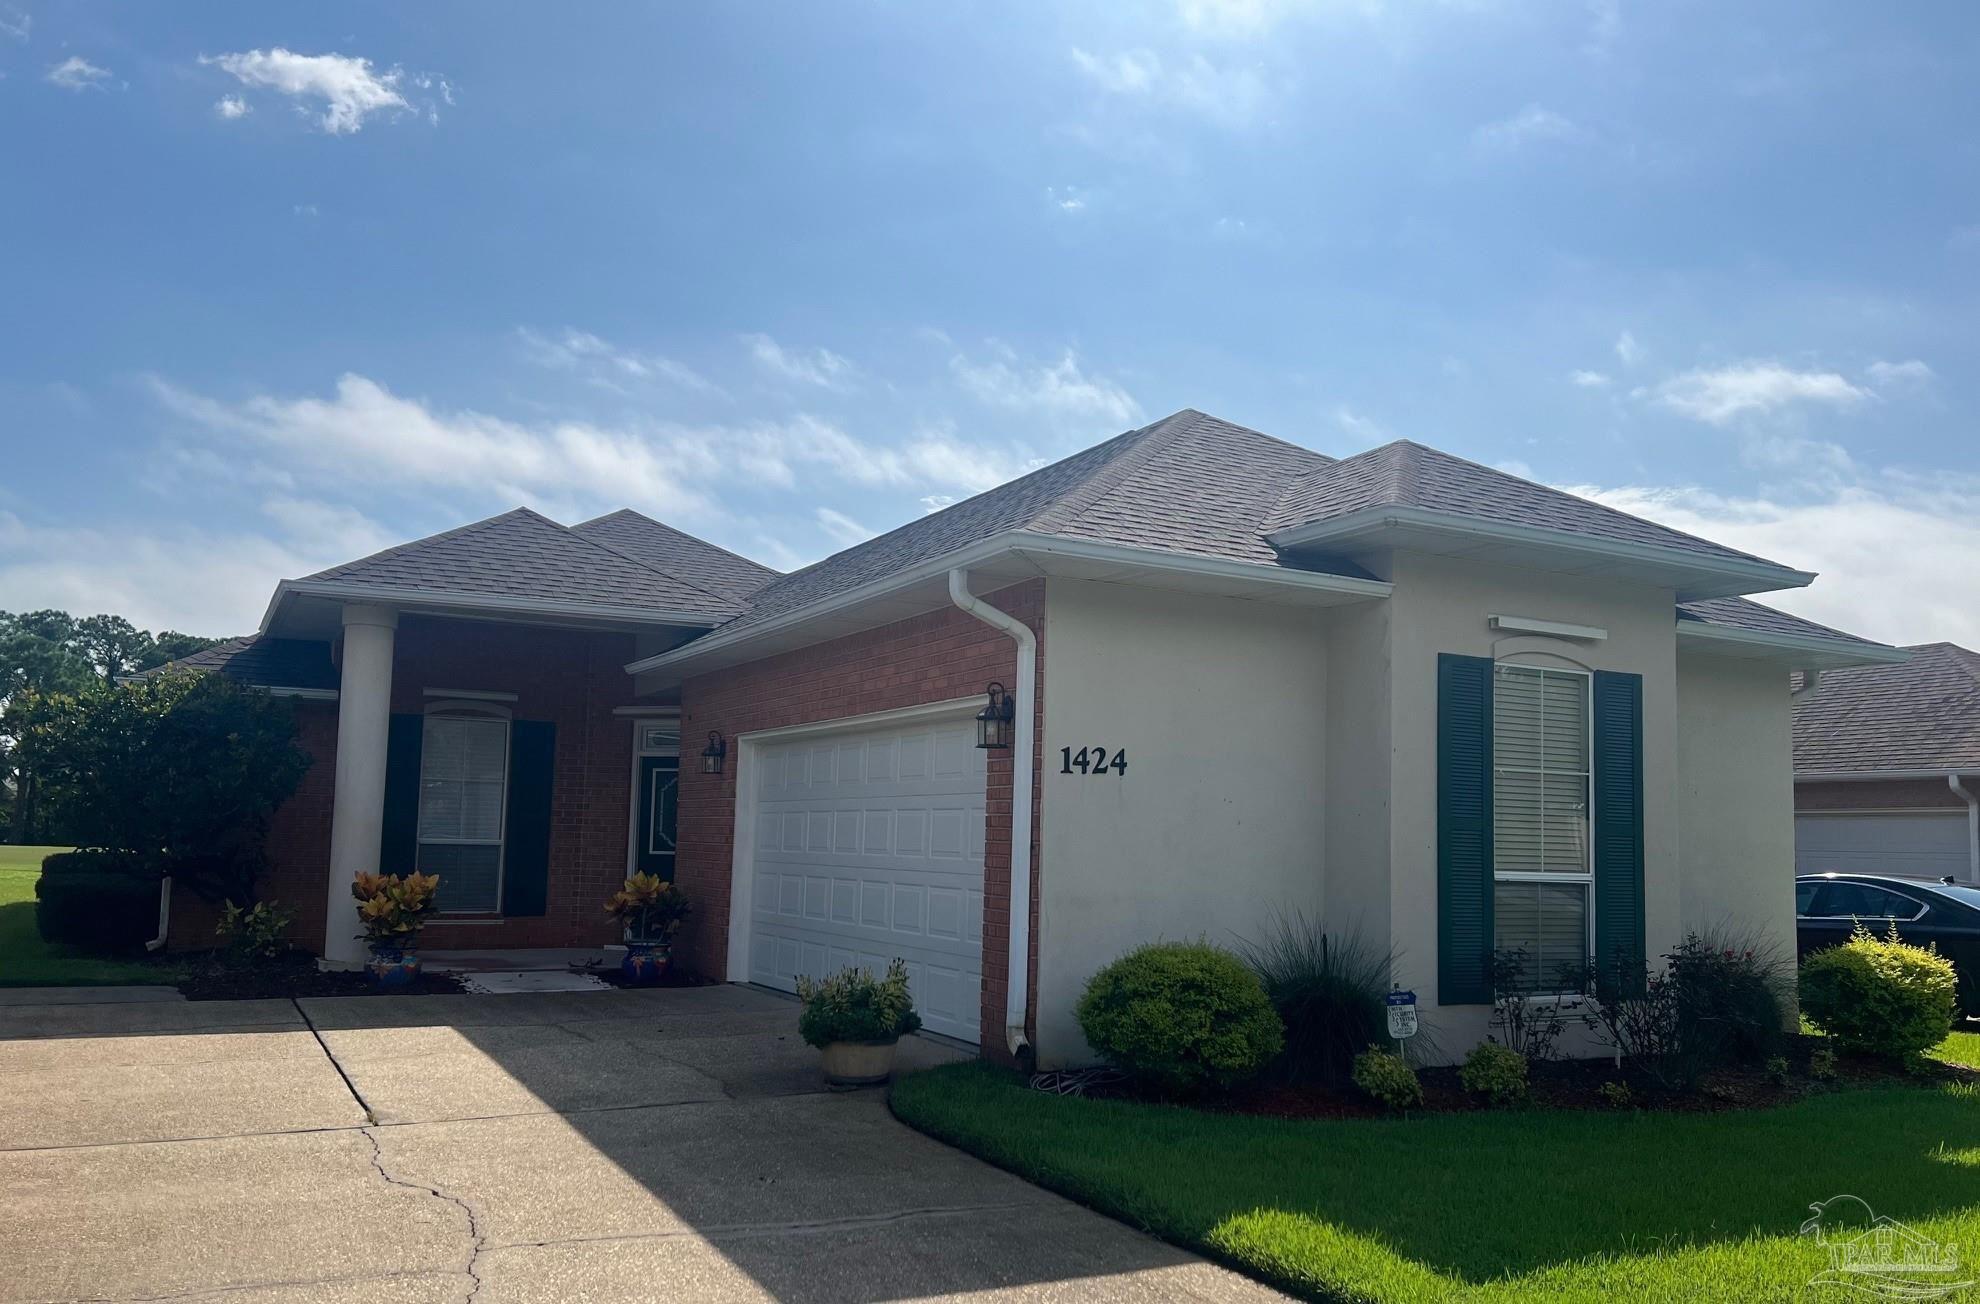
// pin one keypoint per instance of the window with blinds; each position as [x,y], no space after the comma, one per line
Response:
[463,792]
[1540,827]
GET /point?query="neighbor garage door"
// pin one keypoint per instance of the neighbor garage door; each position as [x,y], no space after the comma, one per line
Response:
[869,845]
[1913,844]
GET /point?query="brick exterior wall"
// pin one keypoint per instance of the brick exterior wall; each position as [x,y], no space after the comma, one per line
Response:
[935,657]
[1888,794]
[571,678]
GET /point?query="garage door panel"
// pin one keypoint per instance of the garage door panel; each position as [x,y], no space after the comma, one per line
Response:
[1913,844]
[870,846]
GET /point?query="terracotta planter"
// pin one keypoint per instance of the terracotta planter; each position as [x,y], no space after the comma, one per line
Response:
[393,966]
[858,1063]
[646,962]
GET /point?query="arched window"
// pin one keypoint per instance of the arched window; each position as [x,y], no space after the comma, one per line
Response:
[463,803]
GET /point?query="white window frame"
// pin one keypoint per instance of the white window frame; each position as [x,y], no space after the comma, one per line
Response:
[475,708]
[1586,878]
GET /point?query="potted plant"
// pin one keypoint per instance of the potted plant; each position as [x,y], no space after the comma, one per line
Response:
[393,910]
[855,1019]
[651,910]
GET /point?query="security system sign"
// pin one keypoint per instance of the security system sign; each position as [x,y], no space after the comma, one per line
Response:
[1402,1014]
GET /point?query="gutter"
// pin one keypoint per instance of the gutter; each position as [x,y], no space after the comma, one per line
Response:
[164,914]
[1972,826]
[499,605]
[1017,985]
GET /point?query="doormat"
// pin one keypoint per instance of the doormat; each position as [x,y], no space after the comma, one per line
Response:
[508,983]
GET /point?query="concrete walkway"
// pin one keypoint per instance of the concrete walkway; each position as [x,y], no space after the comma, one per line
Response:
[664,1145]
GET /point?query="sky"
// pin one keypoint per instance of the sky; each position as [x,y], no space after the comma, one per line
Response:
[285,284]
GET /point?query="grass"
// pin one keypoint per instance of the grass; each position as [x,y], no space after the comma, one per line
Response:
[27,961]
[1489,1206]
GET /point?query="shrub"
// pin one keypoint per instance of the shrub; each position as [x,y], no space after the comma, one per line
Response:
[1714,1001]
[1777,1070]
[1496,1073]
[1181,1017]
[1822,1064]
[392,909]
[100,900]
[651,908]
[253,936]
[1880,996]
[1328,990]
[1527,1014]
[1734,988]
[1388,1078]
[853,1005]
[1616,1095]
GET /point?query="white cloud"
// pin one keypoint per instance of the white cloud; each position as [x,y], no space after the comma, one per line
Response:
[1061,389]
[820,367]
[1587,379]
[15,23]
[1370,432]
[843,529]
[1628,351]
[349,88]
[1719,396]
[936,502]
[1229,94]
[1912,371]
[1892,550]
[1531,124]
[604,363]
[1066,199]
[76,73]
[231,106]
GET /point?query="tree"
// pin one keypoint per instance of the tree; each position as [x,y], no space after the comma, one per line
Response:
[183,768]
[113,645]
[171,645]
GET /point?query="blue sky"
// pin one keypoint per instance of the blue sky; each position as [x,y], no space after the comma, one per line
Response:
[286,284]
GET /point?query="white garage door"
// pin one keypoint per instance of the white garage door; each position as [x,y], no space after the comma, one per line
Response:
[1911,844]
[869,845]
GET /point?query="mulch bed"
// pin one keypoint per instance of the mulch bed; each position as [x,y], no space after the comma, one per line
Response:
[297,975]
[675,977]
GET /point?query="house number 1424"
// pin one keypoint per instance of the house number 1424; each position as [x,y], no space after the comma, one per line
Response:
[1092,761]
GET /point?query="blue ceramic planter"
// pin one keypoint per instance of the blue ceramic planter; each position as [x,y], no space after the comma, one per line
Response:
[646,962]
[393,966]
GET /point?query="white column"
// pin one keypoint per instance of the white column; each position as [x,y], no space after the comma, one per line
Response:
[357,814]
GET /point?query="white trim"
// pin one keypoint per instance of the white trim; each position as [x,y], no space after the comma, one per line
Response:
[506,604]
[473,711]
[305,694]
[1766,576]
[1550,628]
[1584,878]
[1875,776]
[469,694]
[1014,542]
[743,849]
[637,712]
[1842,651]
[1878,810]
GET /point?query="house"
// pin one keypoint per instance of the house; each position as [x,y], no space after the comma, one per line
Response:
[1402,692]
[1887,767]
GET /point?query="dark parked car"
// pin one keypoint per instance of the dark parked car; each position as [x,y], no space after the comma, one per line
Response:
[1828,906]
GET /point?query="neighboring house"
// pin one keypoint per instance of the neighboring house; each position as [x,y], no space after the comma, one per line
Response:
[1403,693]
[1887,768]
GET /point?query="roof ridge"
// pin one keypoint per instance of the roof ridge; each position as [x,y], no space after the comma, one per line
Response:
[1114,472]
[727,604]
[674,529]
[398,548]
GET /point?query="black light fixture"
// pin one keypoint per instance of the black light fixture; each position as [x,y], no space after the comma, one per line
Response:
[712,755]
[996,723]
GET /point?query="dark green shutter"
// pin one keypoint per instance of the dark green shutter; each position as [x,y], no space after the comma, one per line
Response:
[526,852]
[1617,806]
[1464,830]
[398,841]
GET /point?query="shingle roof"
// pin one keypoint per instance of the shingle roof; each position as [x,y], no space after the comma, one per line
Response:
[265,662]
[1744,613]
[1406,474]
[668,550]
[1921,714]
[522,554]
[1188,483]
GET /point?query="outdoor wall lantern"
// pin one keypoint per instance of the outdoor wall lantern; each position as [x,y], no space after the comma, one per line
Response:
[712,755]
[996,723]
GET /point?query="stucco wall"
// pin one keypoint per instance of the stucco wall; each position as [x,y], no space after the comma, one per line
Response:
[1360,755]
[1220,817]
[1735,798]
[1443,605]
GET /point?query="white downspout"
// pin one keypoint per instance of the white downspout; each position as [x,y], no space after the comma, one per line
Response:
[1972,826]
[1018,966]
[164,913]
[1809,678]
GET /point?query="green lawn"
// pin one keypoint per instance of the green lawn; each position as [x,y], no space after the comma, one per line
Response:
[1490,1206]
[27,961]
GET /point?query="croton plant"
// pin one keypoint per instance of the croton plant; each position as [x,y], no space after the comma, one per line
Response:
[392,908]
[650,907]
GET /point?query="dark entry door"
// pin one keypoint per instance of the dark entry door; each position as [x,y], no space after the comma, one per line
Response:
[659,807]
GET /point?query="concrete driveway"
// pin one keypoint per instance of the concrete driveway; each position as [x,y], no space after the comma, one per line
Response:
[611,1146]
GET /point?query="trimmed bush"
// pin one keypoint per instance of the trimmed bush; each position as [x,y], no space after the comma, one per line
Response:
[853,1005]
[1328,990]
[1390,1079]
[1181,1017]
[1495,1072]
[1880,996]
[99,900]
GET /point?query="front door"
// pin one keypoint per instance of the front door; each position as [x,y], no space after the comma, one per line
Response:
[659,806]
